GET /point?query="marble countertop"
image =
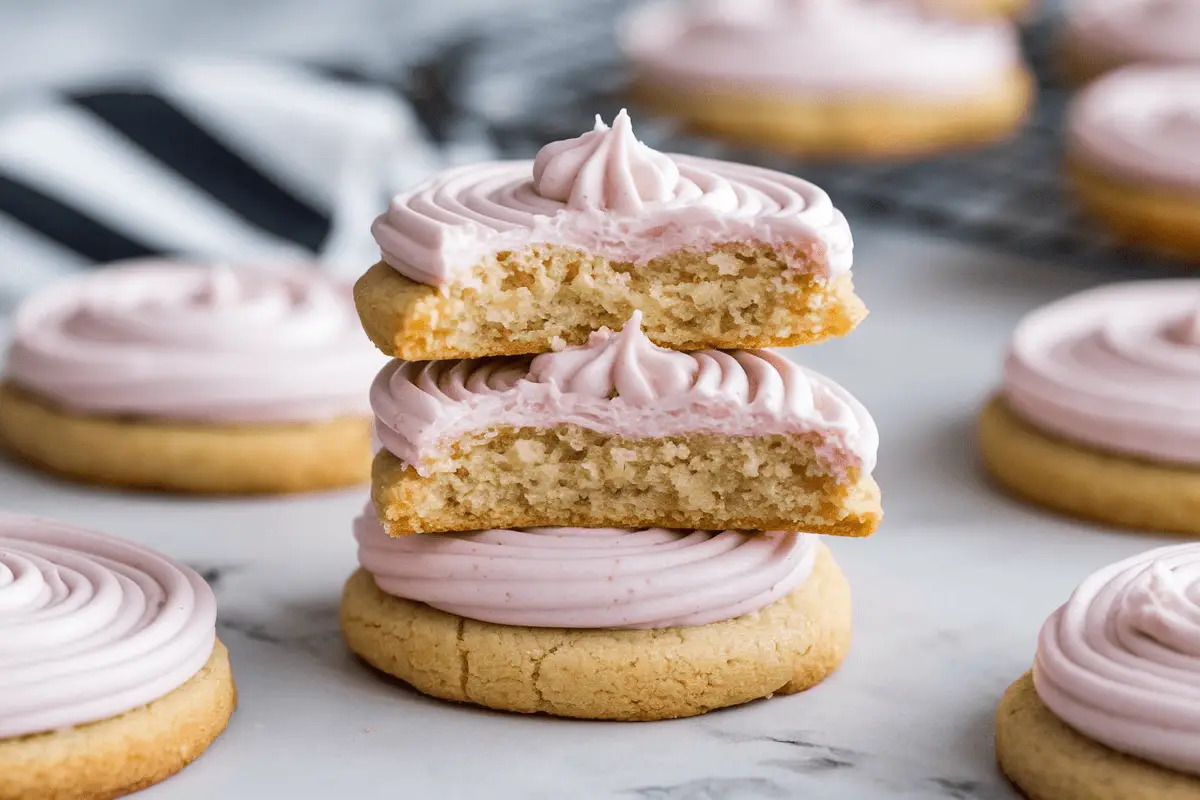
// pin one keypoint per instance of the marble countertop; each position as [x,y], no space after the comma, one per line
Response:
[949,596]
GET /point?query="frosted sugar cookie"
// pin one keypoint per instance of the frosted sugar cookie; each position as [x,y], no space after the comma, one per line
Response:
[1105,34]
[195,379]
[111,676]
[622,433]
[517,256]
[598,623]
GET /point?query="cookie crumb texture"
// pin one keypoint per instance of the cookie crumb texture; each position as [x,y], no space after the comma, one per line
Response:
[854,127]
[1142,215]
[734,296]
[1087,483]
[787,647]
[1048,760]
[114,757]
[571,476]
[182,457]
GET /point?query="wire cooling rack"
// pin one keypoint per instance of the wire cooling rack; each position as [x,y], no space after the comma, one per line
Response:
[545,74]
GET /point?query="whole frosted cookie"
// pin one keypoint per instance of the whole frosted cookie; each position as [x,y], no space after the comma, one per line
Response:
[111,676]
[1133,147]
[196,379]
[1099,414]
[598,623]
[842,78]
[521,256]
[620,432]
[1111,709]
[1100,35]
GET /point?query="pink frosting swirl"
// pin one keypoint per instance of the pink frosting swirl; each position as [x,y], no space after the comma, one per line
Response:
[608,194]
[196,343]
[588,577]
[1116,367]
[92,626]
[1155,31]
[619,384]
[1120,661]
[1142,123]
[607,169]
[814,46]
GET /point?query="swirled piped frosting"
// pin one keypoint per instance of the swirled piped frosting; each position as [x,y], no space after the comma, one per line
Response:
[92,626]
[588,577]
[609,195]
[194,343]
[1116,368]
[619,384]
[806,47]
[1120,661]
[1141,123]
[1144,31]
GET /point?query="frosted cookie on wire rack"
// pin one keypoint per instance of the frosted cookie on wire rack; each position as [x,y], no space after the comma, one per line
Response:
[1101,35]
[159,375]
[1097,415]
[511,257]
[598,623]
[111,675]
[622,433]
[829,78]
[1133,155]
[1111,709]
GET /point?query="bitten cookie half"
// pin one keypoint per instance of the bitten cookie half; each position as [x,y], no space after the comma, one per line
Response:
[120,755]
[184,457]
[518,257]
[620,432]
[786,647]
[1048,760]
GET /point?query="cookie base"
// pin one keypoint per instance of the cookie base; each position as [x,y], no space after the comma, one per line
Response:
[116,756]
[737,295]
[1087,483]
[1049,760]
[183,457]
[787,647]
[571,476]
[871,126]
[983,10]
[1140,214]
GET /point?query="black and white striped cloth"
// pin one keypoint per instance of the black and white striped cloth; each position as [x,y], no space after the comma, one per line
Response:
[215,160]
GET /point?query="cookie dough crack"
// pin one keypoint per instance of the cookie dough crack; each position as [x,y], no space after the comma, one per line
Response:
[464,659]
[536,677]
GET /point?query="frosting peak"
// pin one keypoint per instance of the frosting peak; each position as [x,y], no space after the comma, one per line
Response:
[606,169]
[1120,661]
[626,365]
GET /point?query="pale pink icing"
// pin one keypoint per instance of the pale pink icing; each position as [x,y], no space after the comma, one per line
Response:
[806,47]
[92,626]
[1116,367]
[1142,123]
[620,384]
[1120,661]
[1154,31]
[588,577]
[607,194]
[196,343]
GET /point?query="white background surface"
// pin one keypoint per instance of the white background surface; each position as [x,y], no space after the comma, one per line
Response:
[949,596]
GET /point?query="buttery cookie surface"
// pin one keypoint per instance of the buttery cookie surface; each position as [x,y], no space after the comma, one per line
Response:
[111,677]
[598,623]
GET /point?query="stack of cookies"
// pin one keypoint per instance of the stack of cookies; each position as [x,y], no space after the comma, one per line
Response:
[591,498]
